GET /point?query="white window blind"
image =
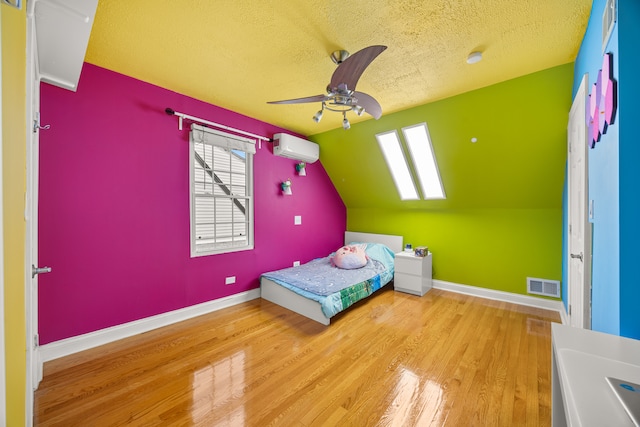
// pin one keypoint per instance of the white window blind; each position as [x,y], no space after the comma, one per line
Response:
[221,181]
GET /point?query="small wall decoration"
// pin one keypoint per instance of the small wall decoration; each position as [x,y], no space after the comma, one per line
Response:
[286,187]
[602,105]
[301,168]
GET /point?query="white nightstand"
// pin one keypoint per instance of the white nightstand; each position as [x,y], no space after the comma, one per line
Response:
[412,273]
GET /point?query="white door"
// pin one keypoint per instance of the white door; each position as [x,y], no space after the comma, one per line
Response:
[579,245]
[34,362]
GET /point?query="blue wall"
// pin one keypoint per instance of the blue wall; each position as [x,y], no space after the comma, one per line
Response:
[613,174]
[629,97]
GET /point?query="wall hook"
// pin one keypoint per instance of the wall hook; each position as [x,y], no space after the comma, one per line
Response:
[36,124]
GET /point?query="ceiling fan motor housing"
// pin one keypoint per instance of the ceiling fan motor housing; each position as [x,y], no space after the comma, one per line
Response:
[339,55]
[341,91]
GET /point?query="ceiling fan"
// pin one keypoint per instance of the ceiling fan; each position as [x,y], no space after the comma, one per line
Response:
[341,95]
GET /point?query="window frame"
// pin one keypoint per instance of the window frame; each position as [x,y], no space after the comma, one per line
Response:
[427,171]
[204,135]
[398,153]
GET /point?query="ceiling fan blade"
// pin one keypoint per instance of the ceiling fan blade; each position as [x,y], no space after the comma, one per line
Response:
[370,105]
[315,98]
[350,70]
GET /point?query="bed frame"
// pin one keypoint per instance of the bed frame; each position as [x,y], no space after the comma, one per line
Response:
[286,298]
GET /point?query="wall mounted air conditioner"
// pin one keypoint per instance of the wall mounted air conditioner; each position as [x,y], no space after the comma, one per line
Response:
[292,147]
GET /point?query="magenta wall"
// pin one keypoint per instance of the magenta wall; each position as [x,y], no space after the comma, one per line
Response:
[114,208]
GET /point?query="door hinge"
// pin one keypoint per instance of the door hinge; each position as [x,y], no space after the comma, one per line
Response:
[569,309]
[36,341]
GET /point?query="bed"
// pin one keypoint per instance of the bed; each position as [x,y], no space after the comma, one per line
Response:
[279,288]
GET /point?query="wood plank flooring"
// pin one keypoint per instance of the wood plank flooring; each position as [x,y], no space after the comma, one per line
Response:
[391,360]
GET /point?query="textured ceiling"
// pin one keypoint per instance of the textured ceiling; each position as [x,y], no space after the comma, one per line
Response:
[241,54]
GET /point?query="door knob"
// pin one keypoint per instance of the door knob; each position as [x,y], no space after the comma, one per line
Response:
[39,270]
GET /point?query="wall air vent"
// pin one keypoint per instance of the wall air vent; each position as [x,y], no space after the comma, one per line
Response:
[608,20]
[547,288]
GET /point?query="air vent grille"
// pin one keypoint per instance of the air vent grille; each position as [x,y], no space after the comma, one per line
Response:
[548,288]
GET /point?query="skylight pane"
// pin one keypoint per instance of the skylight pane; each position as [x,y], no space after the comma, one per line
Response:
[390,146]
[424,160]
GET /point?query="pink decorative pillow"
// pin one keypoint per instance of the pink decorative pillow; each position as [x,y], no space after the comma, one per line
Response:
[350,257]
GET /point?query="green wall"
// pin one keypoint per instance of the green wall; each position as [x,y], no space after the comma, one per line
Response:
[502,218]
[489,248]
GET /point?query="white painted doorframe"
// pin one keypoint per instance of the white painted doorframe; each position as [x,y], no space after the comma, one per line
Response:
[579,242]
[34,361]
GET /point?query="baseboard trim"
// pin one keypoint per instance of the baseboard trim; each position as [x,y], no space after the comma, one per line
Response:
[83,342]
[79,343]
[563,314]
[527,300]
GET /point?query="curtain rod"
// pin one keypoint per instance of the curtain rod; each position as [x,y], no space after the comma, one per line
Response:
[181,116]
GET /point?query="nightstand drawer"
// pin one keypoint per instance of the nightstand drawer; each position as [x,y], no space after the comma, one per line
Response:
[408,264]
[409,283]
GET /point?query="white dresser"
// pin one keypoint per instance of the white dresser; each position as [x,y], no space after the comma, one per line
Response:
[412,273]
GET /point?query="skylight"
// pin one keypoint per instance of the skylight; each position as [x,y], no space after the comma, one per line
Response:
[390,146]
[424,162]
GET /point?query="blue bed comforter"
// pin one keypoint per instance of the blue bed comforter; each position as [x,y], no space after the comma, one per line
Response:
[334,288]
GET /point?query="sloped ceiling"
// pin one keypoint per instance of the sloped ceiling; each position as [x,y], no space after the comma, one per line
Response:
[241,54]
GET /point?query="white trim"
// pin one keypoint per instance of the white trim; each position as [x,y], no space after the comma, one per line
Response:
[79,343]
[32,87]
[579,223]
[73,345]
[527,300]
[564,317]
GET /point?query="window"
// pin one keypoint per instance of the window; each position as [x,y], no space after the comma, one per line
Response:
[425,166]
[221,191]
[397,163]
[424,160]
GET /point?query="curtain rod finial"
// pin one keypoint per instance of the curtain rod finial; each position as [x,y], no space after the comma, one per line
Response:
[169,111]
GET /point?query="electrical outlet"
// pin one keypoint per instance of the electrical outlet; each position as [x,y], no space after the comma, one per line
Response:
[297,220]
[296,263]
[230,280]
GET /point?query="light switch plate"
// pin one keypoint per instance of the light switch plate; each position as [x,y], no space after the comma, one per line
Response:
[297,220]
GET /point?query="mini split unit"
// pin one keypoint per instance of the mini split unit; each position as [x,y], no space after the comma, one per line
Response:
[292,147]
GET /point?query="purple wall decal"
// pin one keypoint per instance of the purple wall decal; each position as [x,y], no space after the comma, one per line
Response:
[602,102]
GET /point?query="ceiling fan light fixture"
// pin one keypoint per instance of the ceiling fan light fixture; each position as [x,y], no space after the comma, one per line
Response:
[474,57]
[345,123]
[341,96]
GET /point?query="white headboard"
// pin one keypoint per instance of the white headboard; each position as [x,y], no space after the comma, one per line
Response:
[394,242]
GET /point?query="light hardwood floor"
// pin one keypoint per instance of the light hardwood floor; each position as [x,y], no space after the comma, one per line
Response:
[391,360]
